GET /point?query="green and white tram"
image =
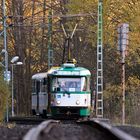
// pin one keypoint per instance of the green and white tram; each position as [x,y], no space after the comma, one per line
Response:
[69,91]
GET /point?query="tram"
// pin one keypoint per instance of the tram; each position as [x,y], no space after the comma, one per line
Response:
[69,91]
[39,94]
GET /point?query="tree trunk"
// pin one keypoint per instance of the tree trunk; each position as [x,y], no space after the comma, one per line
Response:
[23,72]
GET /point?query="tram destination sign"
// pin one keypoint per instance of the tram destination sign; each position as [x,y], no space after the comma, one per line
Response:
[68,73]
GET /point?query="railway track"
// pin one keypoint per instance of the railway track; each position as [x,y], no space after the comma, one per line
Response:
[26,120]
[93,129]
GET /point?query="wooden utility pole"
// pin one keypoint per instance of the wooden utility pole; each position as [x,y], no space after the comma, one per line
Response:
[123,30]
[123,86]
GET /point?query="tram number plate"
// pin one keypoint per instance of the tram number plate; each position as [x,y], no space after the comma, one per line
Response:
[58,96]
[72,89]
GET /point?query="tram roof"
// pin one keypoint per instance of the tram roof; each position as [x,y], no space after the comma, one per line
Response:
[70,70]
[39,76]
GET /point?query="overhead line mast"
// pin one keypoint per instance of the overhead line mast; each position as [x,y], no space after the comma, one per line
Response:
[99,84]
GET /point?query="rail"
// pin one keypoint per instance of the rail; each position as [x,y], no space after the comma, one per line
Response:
[35,132]
[105,126]
[101,127]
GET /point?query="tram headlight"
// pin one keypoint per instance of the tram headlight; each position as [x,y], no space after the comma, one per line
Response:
[58,102]
[77,102]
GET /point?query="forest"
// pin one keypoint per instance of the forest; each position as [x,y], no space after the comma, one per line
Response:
[35,25]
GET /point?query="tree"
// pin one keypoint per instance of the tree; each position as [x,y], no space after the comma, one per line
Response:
[28,38]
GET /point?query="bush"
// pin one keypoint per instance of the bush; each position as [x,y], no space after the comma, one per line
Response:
[113,101]
[4,94]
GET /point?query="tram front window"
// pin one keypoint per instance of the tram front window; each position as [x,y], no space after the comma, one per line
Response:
[69,84]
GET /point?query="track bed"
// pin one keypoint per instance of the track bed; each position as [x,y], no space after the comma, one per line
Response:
[73,131]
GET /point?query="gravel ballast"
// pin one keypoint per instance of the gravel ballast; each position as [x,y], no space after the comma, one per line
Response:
[16,132]
[13,132]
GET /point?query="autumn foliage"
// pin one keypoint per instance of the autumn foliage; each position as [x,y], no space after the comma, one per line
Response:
[28,38]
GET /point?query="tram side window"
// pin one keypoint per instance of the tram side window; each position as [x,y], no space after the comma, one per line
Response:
[45,81]
[85,84]
[44,85]
[88,84]
[33,86]
[54,84]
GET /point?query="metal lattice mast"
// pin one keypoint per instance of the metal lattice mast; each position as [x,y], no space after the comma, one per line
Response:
[4,33]
[5,53]
[99,88]
[50,50]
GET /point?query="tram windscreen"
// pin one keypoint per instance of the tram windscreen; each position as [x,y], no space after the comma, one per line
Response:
[69,84]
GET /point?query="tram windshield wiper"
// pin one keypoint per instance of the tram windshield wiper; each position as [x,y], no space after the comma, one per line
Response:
[64,90]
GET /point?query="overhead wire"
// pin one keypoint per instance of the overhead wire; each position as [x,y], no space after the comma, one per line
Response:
[39,19]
